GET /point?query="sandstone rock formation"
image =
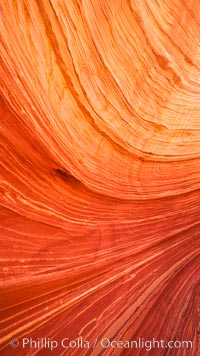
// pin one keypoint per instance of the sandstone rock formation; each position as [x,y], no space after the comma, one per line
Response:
[100,172]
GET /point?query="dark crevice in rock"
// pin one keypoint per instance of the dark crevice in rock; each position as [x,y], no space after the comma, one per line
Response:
[66,175]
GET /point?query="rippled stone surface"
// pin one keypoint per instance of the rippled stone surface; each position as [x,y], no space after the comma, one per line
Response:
[100,171]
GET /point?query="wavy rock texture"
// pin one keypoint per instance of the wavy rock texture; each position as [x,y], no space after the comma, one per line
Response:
[100,171]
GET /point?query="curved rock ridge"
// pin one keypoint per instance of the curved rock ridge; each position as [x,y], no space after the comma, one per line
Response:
[99,173]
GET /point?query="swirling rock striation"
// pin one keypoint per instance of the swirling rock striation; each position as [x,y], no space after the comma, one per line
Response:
[100,172]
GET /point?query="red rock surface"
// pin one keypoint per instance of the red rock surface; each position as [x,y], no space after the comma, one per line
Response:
[100,172]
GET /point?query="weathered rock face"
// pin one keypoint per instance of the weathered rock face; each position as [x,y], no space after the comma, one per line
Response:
[100,171]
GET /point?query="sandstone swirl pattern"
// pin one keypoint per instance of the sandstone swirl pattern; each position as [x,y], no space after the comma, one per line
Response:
[100,171]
